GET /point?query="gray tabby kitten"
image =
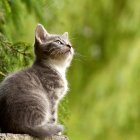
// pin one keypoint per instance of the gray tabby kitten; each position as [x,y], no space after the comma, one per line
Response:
[29,98]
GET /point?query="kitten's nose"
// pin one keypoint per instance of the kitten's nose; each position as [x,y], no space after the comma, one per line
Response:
[68,45]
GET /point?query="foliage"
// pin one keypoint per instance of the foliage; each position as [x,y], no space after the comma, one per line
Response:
[13,56]
[104,77]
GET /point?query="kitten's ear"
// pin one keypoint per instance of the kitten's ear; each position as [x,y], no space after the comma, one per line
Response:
[65,35]
[41,34]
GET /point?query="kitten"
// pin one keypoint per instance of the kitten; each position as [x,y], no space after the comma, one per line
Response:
[29,98]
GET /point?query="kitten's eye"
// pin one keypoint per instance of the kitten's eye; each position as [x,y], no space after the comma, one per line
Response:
[59,42]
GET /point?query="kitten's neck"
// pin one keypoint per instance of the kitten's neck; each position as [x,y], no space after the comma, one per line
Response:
[57,66]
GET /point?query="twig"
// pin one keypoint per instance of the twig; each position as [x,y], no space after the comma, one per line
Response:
[4,41]
[1,73]
[11,47]
[15,50]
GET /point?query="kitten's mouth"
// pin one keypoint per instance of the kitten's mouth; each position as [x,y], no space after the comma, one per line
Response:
[68,51]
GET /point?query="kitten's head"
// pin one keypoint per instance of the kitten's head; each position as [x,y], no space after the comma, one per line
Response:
[52,47]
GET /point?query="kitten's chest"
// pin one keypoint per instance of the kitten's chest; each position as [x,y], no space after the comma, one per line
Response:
[65,85]
[62,82]
[61,89]
[54,84]
[53,81]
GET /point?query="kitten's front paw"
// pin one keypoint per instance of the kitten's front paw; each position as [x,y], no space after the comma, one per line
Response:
[59,133]
[60,128]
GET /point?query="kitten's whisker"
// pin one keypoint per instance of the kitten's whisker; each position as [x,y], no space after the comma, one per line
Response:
[79,60]
[78,55]
[73,38]
[58,52]
[52,53]
[49,49]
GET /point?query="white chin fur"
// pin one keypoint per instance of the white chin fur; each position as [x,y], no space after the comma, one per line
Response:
[61,65]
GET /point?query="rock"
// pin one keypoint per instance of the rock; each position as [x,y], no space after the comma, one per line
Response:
[9,136]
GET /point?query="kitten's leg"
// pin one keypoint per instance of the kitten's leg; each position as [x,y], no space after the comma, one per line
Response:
[54,113]
[46,130]
[53,119]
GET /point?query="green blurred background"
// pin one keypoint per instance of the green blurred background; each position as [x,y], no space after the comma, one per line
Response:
[104,98]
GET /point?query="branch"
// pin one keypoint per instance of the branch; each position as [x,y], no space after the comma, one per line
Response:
[11,46]
[15,50]
[1,73]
